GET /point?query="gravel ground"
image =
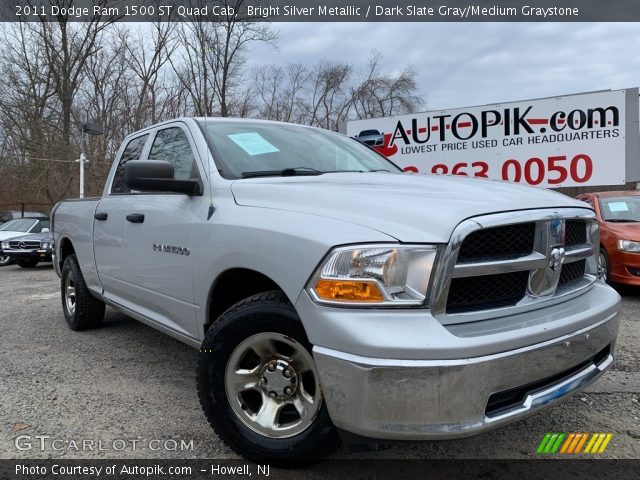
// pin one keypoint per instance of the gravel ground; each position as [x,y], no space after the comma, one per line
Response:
[126,382]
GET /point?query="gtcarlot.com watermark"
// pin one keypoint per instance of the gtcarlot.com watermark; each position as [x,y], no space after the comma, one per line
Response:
[44,443]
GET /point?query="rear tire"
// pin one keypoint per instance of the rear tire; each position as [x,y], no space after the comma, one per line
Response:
[258,385]
[27,263]
[81,309]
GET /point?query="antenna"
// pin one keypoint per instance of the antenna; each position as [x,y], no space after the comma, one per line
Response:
[209,159]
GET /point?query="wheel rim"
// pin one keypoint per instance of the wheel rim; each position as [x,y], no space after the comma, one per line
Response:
[272,385]
[602,267]
[70,294]
[4,259]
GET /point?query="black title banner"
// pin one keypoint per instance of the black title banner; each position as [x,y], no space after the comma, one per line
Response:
[179,469]
[321,10]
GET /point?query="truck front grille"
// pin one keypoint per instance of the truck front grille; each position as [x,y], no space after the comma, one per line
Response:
[572,272]
[497,269]
[486,292]
[576,232]
[508,240]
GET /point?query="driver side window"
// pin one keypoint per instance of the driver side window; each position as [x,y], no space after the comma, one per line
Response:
[172,145]
[133,151]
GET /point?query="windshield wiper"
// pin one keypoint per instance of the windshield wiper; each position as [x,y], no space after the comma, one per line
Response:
[622,220]
[286,172]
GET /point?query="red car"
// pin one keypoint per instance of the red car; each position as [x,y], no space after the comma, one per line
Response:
[619,219]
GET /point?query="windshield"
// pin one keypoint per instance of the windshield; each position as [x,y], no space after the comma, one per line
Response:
[620,209]
[247,148]
[367,133]
[19,225]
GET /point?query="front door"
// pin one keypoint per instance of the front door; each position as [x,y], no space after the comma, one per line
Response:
[159,229]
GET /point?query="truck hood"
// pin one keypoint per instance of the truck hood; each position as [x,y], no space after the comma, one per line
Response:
[408,207]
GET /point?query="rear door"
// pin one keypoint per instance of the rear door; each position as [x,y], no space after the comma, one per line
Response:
[159,270]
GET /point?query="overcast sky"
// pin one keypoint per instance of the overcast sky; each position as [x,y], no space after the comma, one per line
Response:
[464,64]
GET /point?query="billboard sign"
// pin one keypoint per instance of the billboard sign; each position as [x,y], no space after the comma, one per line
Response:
[574,140]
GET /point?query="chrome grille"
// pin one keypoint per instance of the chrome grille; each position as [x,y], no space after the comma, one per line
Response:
[24,245]
[501,264]
[505,241]
[572,272]
[576,232]
[486,291]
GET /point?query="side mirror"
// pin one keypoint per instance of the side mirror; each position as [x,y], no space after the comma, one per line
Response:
[157,176]
[44,230]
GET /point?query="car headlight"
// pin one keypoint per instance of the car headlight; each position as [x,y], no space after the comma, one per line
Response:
[44,245]
[4,244]
[374,275]
[629,246]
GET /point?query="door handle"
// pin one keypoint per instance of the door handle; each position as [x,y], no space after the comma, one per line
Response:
[101,216]
[135,218]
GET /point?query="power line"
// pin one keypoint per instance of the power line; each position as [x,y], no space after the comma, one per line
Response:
[50,159]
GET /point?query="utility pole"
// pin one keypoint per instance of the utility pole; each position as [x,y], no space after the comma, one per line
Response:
[82,161]
[90,129]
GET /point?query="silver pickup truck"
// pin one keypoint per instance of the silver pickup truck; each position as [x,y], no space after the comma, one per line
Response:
[329,292]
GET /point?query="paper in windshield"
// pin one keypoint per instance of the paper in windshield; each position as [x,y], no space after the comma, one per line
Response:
[618,206]
[253,143]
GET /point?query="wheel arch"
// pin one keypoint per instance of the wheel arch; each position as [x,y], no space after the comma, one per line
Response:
[66,249]
[234,285]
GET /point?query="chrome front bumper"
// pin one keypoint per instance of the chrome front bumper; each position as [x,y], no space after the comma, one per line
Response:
[423,399]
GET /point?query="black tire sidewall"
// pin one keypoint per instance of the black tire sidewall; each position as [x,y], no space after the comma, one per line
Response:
[319,439]
[604,253]
[89,311]
[68,269]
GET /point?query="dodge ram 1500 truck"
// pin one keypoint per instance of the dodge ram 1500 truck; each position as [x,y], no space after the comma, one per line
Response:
[328,291]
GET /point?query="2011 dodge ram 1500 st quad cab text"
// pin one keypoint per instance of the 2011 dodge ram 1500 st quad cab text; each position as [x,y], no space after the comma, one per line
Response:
[328,291]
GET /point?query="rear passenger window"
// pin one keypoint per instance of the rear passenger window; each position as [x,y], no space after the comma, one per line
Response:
[133,151]
[172,145]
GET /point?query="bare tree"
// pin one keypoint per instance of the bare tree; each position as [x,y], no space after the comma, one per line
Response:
[280,91]
[329,98]
[67,48]
[381,95]
[147,60]
[62,73]
[212,56]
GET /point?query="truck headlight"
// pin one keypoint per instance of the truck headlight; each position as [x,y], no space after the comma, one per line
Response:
[629,246]
[374,275]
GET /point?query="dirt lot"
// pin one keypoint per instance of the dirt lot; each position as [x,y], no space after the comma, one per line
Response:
[127,385]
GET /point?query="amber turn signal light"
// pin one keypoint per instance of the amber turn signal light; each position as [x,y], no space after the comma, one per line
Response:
[348,291]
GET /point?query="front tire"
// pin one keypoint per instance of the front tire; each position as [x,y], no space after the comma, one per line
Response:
[27,263]
[81,309]
[5,260]
[258,385]
[604,267]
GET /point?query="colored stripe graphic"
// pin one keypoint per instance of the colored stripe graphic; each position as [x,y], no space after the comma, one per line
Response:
[567,443]
[573,443]
[582,441]
[543,443]
[551,443]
